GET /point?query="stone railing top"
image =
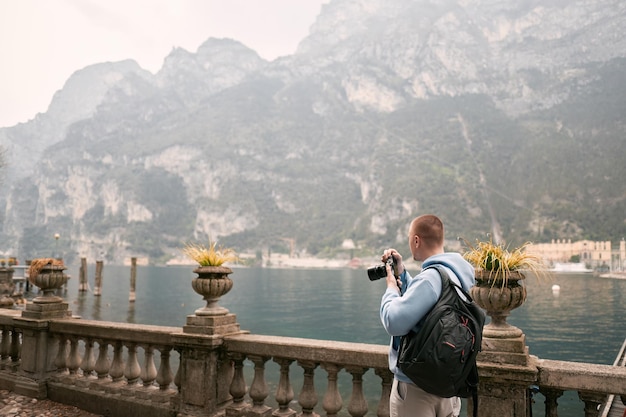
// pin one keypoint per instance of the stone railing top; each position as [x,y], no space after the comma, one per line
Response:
[328,351]
[581,376]
[125,332]
[7,316]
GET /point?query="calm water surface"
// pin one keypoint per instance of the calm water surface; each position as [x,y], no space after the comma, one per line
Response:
[584,322]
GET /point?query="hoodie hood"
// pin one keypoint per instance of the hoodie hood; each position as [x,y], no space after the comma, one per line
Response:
[457,264]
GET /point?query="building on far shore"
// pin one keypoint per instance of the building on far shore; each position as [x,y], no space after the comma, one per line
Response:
[594,254]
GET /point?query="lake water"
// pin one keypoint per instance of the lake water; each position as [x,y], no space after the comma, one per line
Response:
[583,323]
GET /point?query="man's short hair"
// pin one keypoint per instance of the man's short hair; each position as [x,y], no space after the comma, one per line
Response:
[429,228]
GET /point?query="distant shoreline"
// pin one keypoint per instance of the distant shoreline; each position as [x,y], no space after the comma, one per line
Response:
[280,260]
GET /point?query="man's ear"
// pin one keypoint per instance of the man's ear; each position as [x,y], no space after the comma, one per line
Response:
[416,241]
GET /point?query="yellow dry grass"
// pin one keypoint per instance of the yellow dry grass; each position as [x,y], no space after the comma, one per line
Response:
[499,261]
[36,265]
[210,255]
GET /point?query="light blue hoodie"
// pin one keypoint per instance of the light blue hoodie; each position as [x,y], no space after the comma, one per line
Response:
[401,313]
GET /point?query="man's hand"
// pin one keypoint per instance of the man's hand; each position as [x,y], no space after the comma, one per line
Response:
[392,282]
[397,258]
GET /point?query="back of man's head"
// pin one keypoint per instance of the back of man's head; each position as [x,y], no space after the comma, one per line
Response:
[429,228]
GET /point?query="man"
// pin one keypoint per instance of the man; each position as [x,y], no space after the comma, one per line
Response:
[407,301]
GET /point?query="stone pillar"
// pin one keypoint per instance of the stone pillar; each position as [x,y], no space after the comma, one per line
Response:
[201,380]
[98,286]
[83,285]
[133,279]
[205,371]
[39,348]
[504,389]
[38,352]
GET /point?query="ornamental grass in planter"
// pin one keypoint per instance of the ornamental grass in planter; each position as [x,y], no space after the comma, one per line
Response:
[498,264]
[499,274]
[210,255]
[36,265]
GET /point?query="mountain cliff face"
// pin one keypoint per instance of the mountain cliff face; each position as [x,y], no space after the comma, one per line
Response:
[501,116]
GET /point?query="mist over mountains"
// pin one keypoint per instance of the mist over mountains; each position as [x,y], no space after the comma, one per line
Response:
[503,117]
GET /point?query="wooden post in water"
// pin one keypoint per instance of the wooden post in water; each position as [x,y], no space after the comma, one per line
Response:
[82,276]
[133,279]
[98,289]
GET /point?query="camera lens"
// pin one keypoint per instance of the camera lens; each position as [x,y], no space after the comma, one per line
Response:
[377,272]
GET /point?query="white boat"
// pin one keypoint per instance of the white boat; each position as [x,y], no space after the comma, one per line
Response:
[614,275]
[20,273]
[571,267]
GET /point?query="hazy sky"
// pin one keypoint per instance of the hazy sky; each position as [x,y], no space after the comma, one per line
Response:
[42,42]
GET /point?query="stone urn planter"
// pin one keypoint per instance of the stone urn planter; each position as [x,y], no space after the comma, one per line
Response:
[48,278]
[48,275]
[212,283]
[499,290]
[498,296]
[7,286]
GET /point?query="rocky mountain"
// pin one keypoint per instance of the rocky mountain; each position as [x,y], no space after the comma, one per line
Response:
[504,117]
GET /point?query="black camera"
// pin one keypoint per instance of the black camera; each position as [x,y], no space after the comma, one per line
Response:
[380,271]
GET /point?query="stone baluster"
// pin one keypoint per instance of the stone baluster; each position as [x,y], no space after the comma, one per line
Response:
[5,345]
[592,401]
[102,363]
[148,371]
[73,360]
[10,349]
[308,397]
[332,398]
[60,361]
[88,364]
[16,348]
[551,396]
[358,404]
[177,376]
[237,387]
[117,367]
[259,390]
[387,381]
[164,375]
[132,372]
[284,391]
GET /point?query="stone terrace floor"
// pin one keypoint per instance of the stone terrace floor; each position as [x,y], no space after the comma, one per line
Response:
[13,405]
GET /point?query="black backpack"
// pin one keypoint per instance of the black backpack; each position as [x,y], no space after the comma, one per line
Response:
[441,357]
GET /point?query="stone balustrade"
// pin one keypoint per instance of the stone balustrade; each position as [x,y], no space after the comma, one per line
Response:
[128,360]
[84,362]
[332,357]
[123,369]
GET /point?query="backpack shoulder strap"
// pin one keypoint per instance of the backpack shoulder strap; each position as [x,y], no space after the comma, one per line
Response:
[446,281]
